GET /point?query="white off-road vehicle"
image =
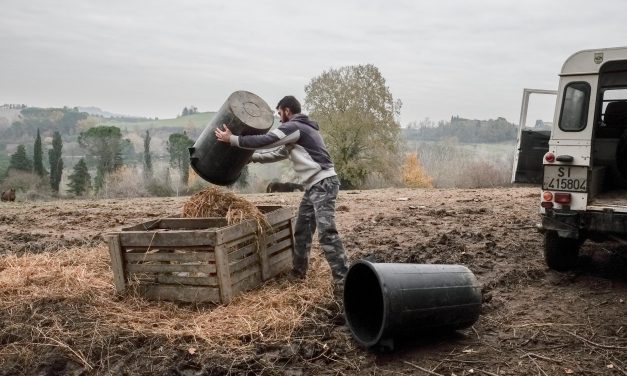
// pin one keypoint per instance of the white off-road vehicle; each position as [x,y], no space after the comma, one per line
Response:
[581,160]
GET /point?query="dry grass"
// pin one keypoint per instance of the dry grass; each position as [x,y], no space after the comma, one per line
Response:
[215,202]
[85,288]
[66,301]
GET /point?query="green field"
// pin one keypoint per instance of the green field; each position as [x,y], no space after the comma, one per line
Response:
[198,120]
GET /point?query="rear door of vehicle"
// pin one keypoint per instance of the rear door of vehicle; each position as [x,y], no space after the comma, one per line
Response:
[570,141]
[533,137]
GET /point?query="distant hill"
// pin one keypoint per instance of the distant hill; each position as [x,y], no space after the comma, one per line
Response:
[9,115]
[197,120]
[96,111]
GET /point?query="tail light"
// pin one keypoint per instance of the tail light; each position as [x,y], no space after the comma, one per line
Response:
[547,200]
[563,198]
[549,157]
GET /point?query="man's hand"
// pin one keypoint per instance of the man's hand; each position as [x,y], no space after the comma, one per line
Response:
[223,135]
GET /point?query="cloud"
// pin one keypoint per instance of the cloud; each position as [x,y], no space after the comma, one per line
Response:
[154,57]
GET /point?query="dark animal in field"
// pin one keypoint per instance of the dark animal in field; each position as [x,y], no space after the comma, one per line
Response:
[8,195]
[284,187]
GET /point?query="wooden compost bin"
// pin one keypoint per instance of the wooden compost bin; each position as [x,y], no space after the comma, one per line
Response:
[201,259]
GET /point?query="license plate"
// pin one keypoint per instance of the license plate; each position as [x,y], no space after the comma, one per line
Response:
[566,178]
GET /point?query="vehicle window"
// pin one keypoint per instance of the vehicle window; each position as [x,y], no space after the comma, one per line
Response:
[574,114]
[612,95]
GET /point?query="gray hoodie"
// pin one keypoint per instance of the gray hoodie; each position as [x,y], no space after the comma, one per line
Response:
[299,140]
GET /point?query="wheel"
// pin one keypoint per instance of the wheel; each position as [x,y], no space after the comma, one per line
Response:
[560,253]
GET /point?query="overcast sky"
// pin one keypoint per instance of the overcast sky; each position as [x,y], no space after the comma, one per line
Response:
[152,58]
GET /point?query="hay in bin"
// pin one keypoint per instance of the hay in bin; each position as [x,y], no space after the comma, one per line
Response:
[214,202]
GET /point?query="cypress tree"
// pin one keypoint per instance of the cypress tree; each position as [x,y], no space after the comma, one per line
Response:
[20,161]
[56,163]
[147,158]
[80,180]
[105,143]
[178,144]
[38,156]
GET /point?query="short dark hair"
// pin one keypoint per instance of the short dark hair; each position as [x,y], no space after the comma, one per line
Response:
[289,102]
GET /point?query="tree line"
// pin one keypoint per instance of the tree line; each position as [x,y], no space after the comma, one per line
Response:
[104,147]
[464,130]
[66,121]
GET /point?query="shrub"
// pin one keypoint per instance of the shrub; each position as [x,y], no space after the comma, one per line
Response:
[414,175]
[160,185]
[484,174]
[451,165]
[124,182]
[25,181]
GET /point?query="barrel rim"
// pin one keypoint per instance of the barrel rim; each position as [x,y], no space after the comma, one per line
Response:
[260,100]
[386,306]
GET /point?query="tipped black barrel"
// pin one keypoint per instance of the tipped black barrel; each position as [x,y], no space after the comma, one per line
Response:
[218,162]
[387,301]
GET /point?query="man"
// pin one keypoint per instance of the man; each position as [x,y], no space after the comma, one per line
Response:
[298,138]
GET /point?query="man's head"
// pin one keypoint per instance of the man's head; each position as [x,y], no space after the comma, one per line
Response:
[288,107]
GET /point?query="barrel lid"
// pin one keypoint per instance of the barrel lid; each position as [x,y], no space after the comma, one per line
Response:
[251,110]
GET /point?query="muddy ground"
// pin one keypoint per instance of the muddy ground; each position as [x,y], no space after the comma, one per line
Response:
[534,321]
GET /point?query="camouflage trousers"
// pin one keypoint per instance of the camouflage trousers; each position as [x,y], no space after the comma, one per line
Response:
[317,210]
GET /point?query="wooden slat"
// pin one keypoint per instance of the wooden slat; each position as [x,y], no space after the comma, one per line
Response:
[242,252]
[243,263]
[117,264]
[280,256]
[236,277]
[144,249]
[279,246]
[192,223]
[224,277]
[190,281]
[268,208]
[280,215]
[241,229]
[168,268]
[280,225]
[144,226]
[159,239]
[162,256]
[190,294]
[247,283]
[263,260]
[235,232]
[278,235]
[235,244]
[281,267]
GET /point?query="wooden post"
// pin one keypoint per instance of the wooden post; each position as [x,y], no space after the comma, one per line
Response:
[224,276]
[262,241]
[117,263]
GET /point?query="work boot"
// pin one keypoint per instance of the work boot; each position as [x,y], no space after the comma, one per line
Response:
[296,277]
[338,298]
[338,292]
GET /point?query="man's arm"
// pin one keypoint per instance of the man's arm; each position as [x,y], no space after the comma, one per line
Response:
[285,134]
[271,155]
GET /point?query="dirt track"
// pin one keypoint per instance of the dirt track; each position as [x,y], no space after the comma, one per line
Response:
[534,321]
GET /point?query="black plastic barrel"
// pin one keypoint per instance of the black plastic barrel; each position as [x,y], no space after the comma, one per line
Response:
[218,162]
[384,302]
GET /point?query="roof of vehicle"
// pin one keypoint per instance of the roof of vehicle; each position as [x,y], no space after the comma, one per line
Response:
[590,61]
